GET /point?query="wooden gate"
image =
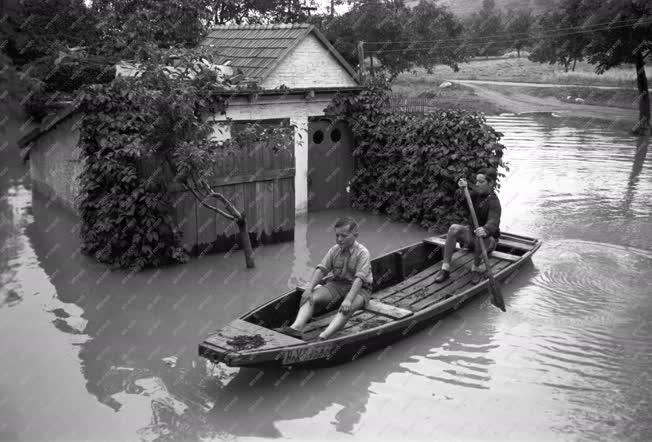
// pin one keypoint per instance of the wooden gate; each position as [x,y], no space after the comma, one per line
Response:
[259,182]
[330,164]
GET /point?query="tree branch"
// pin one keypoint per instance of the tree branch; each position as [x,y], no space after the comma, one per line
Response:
[229,206]
[198,197]
[205,204]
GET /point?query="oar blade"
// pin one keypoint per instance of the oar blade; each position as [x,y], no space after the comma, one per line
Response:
[496,295]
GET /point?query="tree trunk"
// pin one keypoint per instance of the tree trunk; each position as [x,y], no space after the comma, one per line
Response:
[371,59]
[246,242]
[643,125]
[574,63]
[518,52]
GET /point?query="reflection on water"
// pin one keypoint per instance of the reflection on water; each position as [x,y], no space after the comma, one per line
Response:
[121,347]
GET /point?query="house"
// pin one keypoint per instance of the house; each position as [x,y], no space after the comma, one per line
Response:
[298,73]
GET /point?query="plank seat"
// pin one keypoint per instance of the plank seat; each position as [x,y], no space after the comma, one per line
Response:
[502,255]
[515,244]
[505,256]
[388,310]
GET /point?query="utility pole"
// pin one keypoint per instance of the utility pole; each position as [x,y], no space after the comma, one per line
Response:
[361,58]
[332,8]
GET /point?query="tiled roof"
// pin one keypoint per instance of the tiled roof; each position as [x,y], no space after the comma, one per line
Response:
[258,49]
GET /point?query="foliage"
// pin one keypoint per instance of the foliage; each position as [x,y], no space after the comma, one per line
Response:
[42,27]
[407,165]
[557,36]
[256,11]
[626,37]
[125,214]
[53,80]
[486,31]
[607,33]
[437,37]
[129,27]
[139,135]
[625,40]
[519,28]
[399,37]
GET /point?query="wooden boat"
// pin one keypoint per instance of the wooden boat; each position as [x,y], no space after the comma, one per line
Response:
[404,299]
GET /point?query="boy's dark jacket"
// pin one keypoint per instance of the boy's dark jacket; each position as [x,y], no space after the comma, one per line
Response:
[487,209]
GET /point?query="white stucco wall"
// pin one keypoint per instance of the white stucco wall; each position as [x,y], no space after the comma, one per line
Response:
[55,163]
[309,64]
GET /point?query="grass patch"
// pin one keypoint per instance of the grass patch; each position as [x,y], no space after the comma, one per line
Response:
[428,95]
[624,98]
[523,70]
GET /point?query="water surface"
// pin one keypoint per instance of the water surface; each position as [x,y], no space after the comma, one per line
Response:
[91,354]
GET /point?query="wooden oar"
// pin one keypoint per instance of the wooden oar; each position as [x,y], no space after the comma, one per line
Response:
[496,295]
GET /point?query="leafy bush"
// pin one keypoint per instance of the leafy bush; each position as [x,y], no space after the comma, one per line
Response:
[53,81]
[124,205]
[141,134]
[407,165]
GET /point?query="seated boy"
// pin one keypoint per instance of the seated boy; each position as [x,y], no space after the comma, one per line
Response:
[488,211]
[350,286]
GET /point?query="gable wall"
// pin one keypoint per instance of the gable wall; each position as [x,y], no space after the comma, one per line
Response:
[310,64]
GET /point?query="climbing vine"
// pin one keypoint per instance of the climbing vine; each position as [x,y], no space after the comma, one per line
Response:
[142,133]
[407,165]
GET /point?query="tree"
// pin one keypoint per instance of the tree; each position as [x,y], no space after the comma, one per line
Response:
[486,30]
[255,11]
[43,27]
[560,36]
[607,33]
[144,132]
[623,36]
[399,37]
[181,134]
[382,26]
[518,29]
[128,26]
[435,29]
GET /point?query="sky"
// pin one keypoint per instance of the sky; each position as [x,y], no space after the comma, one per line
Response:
[324,5]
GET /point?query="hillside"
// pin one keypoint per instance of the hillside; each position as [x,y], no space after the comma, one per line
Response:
[467,7]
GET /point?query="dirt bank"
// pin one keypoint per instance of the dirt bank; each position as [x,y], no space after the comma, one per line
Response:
[516,99]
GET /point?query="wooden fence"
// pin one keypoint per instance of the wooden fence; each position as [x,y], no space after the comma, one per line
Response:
[256,180]
[413,105]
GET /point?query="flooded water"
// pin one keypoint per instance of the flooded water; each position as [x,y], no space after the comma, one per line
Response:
[90,354]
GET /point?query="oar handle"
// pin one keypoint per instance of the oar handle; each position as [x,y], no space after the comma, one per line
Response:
[497,296]
[476,225]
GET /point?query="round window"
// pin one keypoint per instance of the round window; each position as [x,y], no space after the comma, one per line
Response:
[336,135]
[318,137]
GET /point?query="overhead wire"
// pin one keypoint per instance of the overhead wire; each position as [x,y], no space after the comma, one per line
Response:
[474,41]
[583,29]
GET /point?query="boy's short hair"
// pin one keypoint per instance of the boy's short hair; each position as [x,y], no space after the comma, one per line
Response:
[489,173]
[349,222]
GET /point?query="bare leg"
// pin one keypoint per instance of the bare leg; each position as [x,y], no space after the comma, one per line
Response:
[489,244]
[456,232]
[340,319]
[320,297]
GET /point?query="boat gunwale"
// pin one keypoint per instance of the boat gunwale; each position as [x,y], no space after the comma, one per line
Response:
[389,327]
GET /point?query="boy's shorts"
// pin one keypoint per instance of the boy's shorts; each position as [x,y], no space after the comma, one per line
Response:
[469,243]
[339,290]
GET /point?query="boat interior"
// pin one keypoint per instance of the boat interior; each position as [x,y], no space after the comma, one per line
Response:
[403,286]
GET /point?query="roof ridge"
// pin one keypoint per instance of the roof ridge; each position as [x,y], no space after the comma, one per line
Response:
[265,26]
